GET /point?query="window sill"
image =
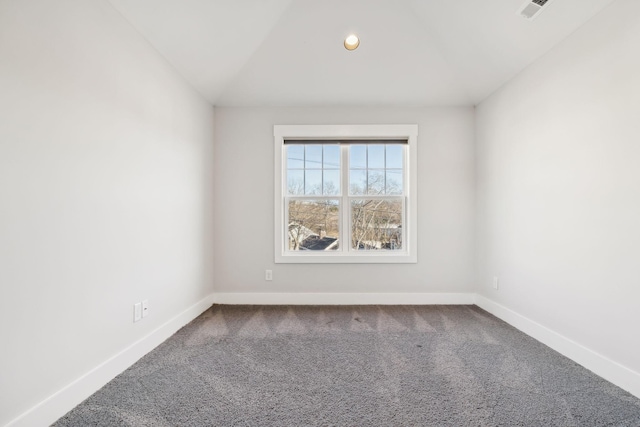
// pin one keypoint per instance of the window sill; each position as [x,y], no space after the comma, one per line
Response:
[342,258]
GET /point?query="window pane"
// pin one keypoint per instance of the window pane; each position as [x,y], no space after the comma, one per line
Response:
[295,156]
[394,182]
[358,182]
[394,156]
[313,182]
[295,182]
[376,224]
[376,182]
[375,157]
[357,156]
[313,225]
[331,182]
[313,157]
[331,158]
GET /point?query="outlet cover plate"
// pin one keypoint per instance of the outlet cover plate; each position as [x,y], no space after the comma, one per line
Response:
[137,312]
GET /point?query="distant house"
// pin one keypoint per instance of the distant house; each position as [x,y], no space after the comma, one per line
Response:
[303,238]
[298,233]
[317,243]
[381,236]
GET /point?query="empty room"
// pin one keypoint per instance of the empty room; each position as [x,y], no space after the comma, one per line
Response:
[335,212]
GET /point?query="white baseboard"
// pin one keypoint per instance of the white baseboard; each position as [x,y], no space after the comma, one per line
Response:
[61,402]
[611,371]
[251,298]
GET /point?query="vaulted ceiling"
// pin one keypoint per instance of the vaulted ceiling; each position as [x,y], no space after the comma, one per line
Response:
[290,52]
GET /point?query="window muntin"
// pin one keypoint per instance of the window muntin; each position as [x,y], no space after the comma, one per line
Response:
[376,169]
[313,169]
[345,193]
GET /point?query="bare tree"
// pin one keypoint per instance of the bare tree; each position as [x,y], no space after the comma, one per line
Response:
[311,218]
[376,223]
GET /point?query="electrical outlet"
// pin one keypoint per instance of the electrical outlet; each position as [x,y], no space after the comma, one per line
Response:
[145,308]
[495,283]
[268,275]
[137,312]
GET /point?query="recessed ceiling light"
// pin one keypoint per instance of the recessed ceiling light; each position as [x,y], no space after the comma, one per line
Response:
[351,42]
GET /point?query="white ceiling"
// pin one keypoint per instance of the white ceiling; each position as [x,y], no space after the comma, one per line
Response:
[290,53]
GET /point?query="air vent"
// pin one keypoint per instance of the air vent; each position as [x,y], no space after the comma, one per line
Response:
[532,8]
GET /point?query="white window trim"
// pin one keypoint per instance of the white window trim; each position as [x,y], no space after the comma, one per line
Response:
[329,132]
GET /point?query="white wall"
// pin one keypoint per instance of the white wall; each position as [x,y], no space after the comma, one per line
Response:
[105,193]
[244,212]
[558,188]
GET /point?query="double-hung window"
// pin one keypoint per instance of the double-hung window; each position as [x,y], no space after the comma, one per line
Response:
[345,194]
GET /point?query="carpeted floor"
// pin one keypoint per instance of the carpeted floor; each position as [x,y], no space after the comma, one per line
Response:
[354,366]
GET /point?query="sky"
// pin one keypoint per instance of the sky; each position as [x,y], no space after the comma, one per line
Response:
[314,169]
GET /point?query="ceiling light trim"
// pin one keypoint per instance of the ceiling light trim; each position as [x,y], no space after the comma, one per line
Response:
[351,42]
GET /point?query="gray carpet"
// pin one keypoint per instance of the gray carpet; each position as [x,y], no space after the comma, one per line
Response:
[354,366]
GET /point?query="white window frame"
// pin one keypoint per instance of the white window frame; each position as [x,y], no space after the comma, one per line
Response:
[408,254]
